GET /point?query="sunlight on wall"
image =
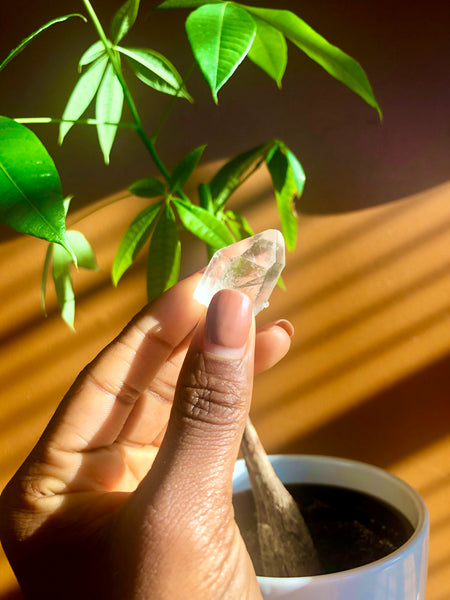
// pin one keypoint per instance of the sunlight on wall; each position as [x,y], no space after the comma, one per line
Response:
[369,295]
[429,469]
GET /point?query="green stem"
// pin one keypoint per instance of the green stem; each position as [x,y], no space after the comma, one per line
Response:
[43,120]
[128,97]
[170,105]
[98,208]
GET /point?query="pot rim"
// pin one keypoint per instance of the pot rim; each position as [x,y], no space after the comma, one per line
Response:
[419,529]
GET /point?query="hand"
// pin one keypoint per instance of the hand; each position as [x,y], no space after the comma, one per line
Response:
[127,495]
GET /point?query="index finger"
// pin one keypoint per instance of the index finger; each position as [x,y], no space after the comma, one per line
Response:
[101,399]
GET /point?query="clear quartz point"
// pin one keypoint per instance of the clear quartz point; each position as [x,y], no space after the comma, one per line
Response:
[252,266]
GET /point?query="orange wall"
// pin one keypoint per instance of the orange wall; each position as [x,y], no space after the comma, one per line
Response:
[368,287]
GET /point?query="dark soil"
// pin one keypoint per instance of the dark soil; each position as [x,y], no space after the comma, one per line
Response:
[349,528]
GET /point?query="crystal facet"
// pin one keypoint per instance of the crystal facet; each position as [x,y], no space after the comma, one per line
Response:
[252,266]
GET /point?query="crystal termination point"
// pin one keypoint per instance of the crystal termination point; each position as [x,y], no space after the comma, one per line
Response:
[252,266]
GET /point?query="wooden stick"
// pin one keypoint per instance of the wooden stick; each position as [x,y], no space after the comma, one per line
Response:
[287,549]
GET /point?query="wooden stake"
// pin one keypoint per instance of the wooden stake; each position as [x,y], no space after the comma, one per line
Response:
[287,549]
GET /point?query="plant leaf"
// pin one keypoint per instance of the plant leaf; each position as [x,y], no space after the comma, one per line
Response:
[164,253]
[82,250]
[82,95]
[66,202]
[62,280]
[184,168]
[186,3]
[297,170]
[108,109]
[269,50]
[94,52]
[61,272]
[205,198]
[229,177]
[31,198]
[135,237]
[156,71]
[150,187]
[220,36]
[203,224]
[124,19]
[24,43]
[238,225]
[285,187]
[336,62]
[47,262]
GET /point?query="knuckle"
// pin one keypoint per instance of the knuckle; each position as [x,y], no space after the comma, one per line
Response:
[212,395]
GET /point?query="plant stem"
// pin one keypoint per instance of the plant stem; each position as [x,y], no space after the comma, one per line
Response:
[92,211]
[170,105]
[127,94]
[45,120]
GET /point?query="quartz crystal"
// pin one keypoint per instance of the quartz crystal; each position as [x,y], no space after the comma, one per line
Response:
[252,266]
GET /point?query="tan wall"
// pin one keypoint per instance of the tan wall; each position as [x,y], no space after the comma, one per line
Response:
[368,376]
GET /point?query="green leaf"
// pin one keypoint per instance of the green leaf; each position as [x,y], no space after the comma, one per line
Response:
[205,198]
[150,187]
[82,250]
[24,43]
[186,3]
[203,224]
[66,203]
[164,253]
[238,225]
[82,95]
[285,187]
[31,198]
[94,52]
[156,71]
[220,36]
[62,280]
[297,170]
[124,19]
[269,50]
[108,109]
[336,62]
[230,176]
[184,168]
[47,262]
[61,272]
[281,284]
[135,237]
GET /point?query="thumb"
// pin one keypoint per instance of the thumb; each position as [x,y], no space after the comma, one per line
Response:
[211,402]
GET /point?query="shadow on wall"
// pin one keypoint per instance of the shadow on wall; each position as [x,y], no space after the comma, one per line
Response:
[14,594]
[390,425]
[351,160]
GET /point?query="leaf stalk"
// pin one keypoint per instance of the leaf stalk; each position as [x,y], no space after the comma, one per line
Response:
[127,94]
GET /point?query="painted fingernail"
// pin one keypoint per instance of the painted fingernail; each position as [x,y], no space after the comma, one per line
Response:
[228,323]
[287,326]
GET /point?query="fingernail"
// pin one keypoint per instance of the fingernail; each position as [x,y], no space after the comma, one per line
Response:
[287,326]
[228,323]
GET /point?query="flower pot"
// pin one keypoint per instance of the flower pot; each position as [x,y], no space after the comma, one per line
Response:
[400,575]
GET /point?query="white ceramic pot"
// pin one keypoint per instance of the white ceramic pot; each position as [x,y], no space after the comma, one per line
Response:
[398,576]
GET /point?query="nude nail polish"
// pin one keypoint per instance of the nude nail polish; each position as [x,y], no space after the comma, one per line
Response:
[228,321]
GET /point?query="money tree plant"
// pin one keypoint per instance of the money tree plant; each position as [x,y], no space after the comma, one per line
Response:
[221,35]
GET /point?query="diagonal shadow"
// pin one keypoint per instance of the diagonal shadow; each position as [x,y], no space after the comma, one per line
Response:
[370,311]
[392,424]
[372,266]
[13,593]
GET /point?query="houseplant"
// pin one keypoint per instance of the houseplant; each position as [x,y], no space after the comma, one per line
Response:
[221,35]
[102,69]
